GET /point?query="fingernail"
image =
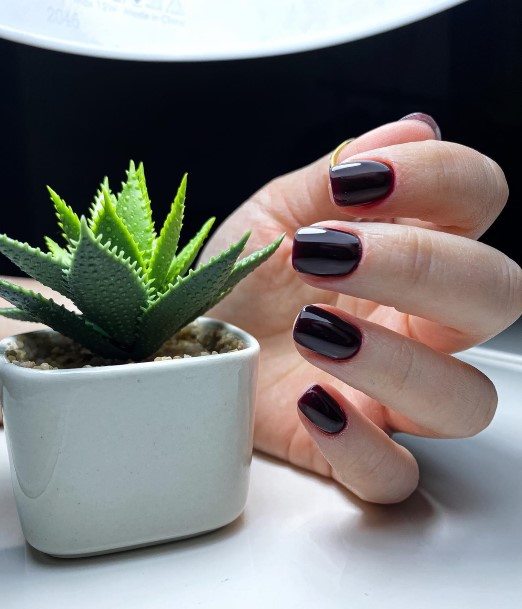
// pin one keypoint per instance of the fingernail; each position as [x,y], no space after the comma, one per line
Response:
[322,410]
[424,118]
[326,334]
[360,182]
[325,251]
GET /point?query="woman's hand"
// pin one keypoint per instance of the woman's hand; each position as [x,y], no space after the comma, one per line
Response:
[396,283]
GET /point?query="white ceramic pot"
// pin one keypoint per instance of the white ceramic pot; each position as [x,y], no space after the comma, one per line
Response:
[117,457]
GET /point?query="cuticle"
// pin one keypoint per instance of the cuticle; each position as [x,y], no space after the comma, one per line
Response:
[335,434]
[334,359]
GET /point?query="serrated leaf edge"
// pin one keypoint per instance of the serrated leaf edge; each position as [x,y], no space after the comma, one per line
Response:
[193,247]
[57,202]
[108,203]
[36,251]
[168,239]
[100,336]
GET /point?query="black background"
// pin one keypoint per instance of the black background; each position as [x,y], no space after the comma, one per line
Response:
[68,120]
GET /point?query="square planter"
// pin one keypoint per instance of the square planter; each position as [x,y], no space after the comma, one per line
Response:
[117,457]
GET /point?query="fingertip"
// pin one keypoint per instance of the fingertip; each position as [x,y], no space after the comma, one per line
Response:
[363,458]
[426,119]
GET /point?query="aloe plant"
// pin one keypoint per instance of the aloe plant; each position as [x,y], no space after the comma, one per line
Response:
[132,287]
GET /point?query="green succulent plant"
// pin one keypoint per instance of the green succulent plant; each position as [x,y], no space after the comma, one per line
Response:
[133,289]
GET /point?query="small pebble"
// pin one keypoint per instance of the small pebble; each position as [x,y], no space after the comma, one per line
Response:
[56,352]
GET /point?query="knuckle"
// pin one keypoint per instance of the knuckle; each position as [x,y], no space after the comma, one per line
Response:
[439,151]
[434,169]
[420,258]
[413,257]
[276,198]
[399,370]
[264,197]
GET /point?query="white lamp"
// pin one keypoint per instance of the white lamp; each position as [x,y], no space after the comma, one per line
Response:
[192,30]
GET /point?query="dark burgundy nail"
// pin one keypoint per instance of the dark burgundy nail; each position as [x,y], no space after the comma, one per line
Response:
[360,182]
[322,410]
[424,118]
[325,251]
[326,334]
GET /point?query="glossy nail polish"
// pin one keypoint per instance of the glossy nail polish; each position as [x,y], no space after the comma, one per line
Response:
[322,410]
[424,118]
[360,182]
[325,251]
[326,334]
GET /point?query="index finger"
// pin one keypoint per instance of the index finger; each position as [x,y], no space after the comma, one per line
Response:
[302,197]
[440,185]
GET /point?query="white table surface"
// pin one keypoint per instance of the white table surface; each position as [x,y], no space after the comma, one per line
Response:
[304,542]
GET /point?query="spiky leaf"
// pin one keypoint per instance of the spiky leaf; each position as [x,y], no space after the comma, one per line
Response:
[181,263]
[244,267]
[180,304]
[40,265]
[60,254]
[67,219]
[133,207]
[106,287]
[167,242]
[60,319]
[110,227]
[96,205]
[18,314]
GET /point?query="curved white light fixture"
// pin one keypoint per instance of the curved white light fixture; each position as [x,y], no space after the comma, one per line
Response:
[198,30]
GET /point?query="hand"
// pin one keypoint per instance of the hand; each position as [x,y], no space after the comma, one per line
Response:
[416,287]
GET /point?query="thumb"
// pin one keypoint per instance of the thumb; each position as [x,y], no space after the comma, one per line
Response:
[302,196]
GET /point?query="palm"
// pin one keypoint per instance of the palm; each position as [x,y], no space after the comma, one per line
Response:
[266,305]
